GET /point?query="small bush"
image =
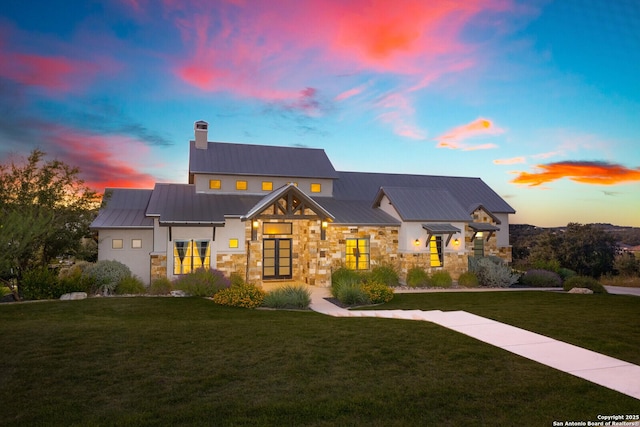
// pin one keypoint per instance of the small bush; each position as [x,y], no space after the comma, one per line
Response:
[4,291]
[236,279]
[42,283]
[343,277]
[493,272]
[377,293]
[160,286]
[584,282]
[549,265]
[441,279]
[291,296]
[417,277]
[131,285]
[566,273]
[202,282]
[106,275]
[384,274]
[468,280]
[541,279]
[352,294]
[245,296]
[73,279]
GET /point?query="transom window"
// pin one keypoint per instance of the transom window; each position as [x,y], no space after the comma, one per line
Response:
[357,254]
[435,251]
[277,228]
[215,184]
[189,255]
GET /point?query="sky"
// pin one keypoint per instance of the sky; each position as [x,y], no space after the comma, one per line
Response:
[540,99]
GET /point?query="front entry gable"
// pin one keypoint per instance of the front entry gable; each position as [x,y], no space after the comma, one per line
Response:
[288,202]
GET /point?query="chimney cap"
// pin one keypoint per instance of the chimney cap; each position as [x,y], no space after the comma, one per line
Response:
[201,125]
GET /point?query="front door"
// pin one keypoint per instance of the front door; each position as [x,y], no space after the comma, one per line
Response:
[276,259]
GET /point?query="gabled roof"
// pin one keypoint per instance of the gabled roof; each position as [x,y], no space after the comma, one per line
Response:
[124,208]
[466,191]
[286,191]
[257,160]
[423,204]
[356,212]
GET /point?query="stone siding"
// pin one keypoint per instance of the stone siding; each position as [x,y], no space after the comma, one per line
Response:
[158,265]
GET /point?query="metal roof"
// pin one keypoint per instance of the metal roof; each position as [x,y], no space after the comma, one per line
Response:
[423,204]
[483,226]
[283,191]
[440,228]
[356,212]
[466,191]
[246,159]
[124,208]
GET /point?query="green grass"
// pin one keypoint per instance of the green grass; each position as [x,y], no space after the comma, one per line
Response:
[185,361]
[607,324]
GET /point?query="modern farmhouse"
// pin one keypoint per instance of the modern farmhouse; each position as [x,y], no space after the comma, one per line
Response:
[284,213]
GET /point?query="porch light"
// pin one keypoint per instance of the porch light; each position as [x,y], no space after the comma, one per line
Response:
[254,230]
[456,242]
[323,230]
[417,242]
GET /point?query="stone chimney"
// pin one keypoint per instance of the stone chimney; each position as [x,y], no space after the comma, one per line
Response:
[201,130]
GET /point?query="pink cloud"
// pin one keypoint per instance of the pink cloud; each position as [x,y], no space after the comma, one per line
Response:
[350,93]
[600,173]
[453,139]
[511,161]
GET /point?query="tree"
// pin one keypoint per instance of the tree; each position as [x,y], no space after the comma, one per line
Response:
[45,210]
[588,250]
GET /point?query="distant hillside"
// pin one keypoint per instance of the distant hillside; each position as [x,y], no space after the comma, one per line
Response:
[520,233]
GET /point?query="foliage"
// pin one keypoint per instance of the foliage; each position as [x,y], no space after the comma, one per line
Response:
[625,281]
[549,265]
[290,296]
[468,279]
[202,282]
[4,291]
[106,275]
[245,295]
[236,279]
[541,279]
[584,282]
[45,211]
[384,274]
[160,286]
[441,279]
[131,285]
[73,280]
[566,273]
[351,293]
[377,293]
[627,264]
[492,272]
[39,283]
[344,277]
[417,277]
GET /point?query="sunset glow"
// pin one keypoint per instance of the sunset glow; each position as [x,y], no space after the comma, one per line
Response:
[496,89]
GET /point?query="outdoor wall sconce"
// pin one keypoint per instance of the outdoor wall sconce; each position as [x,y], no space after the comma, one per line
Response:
[254,230]
[323,230]
[417,242]
[456,242]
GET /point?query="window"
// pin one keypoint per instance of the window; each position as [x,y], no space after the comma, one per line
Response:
[215,184]
[189,255]
[233,243]
[435,251]
[136,243]
[478,245]
[241,185]
[316,188]
[277,228]
[117,244]
[357,257]
[267,186]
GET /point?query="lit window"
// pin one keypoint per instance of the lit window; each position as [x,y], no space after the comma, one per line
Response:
[233,243]
[435,251]
[136,243]
[277,228]
[316,188]
[357,257]
[117,244]
[241,185]
[215,184]
[189,255]
[267,186]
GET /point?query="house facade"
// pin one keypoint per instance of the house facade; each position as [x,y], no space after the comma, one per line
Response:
[284,213]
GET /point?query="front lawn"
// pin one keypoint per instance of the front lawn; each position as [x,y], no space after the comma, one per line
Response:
[177,361]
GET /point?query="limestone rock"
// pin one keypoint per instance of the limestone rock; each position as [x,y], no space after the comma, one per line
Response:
[178,293]
[73,296]
[580,291]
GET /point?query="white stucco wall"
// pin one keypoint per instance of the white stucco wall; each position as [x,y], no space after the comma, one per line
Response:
[503,234]
[137,259]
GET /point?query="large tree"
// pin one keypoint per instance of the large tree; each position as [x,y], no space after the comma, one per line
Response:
[45,210]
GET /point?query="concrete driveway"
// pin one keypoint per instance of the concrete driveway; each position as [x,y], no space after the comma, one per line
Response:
[623,291]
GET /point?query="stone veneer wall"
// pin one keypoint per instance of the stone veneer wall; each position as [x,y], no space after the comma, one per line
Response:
[455,263]
[158,265]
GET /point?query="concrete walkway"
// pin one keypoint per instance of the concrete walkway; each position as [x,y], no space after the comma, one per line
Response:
[595,367]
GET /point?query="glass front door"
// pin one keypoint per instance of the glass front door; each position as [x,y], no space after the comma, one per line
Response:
[276,259]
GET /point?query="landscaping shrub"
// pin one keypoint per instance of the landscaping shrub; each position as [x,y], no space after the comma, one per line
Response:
[384,274]
[549,265]
[541,279]
[377,293]
[4,291]
[106,275]
[352,294]
[584,282]
[73,279]
[290,296]
[131,285]
[202,282]
[417,277]
[236,279]
[160,286]
[441,279]
[245,296]
[468,279]
[492,272]
[566,273]
[39,283]
[341,277]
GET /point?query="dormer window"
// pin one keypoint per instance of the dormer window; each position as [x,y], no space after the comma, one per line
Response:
[316,188]
[267,186]
[215,184]
[241,185]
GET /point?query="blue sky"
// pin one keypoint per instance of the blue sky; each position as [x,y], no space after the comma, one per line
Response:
[539,99]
